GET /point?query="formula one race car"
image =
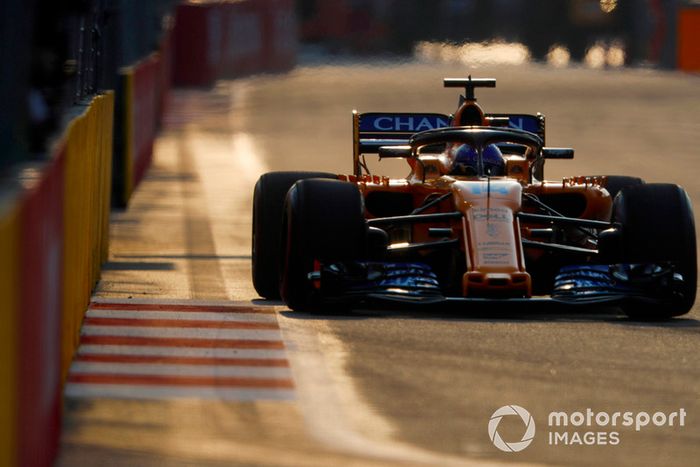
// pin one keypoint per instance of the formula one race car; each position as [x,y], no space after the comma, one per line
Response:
[473,223]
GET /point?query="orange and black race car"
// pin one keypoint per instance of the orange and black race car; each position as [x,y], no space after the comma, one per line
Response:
[474,223]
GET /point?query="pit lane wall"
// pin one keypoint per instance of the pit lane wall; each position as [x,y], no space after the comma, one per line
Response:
[54,216]
[142,89]
[228,39]
[54,219]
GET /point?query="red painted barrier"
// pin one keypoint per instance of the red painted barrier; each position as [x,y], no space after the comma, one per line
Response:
[689,39]
[198,43]
[41,300]
[280,35]
[329,23]
[145,111]
[143,92]
[231,39]
[244,41]
[348,25]
[165,69]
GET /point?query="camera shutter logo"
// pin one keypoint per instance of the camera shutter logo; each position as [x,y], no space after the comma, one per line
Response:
[527,419]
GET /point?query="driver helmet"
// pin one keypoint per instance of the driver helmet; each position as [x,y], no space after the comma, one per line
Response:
[466,161]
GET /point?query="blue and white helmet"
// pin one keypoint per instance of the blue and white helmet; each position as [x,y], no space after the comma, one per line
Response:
[466,161]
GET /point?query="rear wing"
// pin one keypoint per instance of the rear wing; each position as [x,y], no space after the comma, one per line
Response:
[376,129]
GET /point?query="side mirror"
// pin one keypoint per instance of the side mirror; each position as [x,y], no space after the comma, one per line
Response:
[557,153]
[389,152]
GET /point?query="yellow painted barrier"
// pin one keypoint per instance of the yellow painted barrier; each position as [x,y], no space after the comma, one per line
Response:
[88,168]
[9,287]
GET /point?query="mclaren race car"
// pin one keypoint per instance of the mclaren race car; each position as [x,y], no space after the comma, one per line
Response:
[475,222]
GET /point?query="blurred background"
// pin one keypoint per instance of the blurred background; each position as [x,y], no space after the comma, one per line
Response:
[60,53]
[642,29]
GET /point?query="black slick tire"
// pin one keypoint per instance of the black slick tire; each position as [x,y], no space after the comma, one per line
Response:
[658,226]
[323,222]
[268,203]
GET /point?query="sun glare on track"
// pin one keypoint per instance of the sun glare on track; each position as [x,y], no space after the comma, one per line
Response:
[595,58]
[558,57]
[616,56]
[478,54]
[474,53]
[252,165]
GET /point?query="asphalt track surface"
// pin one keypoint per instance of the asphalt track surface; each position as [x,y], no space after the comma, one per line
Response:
[387,387]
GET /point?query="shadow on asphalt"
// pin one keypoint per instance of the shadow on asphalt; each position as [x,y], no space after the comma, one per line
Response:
[188,256]
[138,266]
[487,313]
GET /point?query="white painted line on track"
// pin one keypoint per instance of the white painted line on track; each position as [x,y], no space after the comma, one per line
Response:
[91,349]
[181,333]
[177,302]
[97,368]
[118,391]
[183,315]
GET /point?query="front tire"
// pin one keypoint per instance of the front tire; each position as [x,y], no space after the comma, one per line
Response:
[323,222]
[268,203]
[657,226]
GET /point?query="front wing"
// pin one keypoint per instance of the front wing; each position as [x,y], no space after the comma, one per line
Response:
[415,284]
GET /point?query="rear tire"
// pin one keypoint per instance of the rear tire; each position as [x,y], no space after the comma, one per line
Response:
[268,203]
[657,225]
[323,222]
